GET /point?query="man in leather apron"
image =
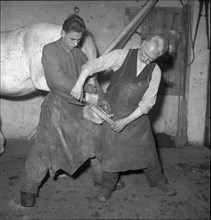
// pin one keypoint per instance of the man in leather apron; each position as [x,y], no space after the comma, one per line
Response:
[128,144]
[65,139]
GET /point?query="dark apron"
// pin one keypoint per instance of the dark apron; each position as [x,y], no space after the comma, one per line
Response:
[134,147]
[65,140]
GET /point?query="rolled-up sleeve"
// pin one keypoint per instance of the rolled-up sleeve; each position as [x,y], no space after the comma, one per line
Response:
[55,76]
[150,96]
[110,61]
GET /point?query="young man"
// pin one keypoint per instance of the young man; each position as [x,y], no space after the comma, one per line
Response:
[129,144]
[65,139]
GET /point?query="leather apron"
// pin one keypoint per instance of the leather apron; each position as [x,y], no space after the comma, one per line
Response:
[65,139]
[134,147]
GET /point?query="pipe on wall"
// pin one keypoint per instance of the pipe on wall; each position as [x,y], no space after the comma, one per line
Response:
[132,26]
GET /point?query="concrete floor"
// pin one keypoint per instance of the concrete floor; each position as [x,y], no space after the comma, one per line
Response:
[188,170]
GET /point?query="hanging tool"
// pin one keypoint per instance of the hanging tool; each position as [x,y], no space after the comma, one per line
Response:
[201,4]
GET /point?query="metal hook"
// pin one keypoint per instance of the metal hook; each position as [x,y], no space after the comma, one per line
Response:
[76,9]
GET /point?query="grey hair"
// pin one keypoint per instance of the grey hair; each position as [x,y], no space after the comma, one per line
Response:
[159,43]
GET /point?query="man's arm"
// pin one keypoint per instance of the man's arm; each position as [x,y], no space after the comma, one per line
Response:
[150,96]
[55,76]
[112,60]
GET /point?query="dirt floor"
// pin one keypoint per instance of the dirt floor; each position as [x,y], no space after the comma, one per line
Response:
[188,170]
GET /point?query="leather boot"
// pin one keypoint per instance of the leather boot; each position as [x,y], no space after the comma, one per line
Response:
[27,199]
[104,194]
[166,189]
[120,185]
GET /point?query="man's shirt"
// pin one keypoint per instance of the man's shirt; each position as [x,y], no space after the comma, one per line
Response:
[62,67]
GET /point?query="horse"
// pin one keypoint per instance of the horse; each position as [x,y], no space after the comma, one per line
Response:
[21,67]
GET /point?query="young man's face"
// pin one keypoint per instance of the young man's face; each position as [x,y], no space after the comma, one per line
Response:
[72,38]
[146,53]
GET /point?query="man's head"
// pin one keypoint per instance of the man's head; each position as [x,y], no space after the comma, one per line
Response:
[72,30]
[153,47]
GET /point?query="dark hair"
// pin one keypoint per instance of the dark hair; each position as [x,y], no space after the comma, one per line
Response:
[73,23]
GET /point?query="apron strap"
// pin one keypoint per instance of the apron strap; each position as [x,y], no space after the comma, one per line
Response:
[126,62]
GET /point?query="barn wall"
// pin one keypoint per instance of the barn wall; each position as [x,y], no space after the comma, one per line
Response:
[105,19]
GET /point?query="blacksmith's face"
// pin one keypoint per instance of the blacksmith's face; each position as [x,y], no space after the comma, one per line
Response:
[147,53]
[72,38]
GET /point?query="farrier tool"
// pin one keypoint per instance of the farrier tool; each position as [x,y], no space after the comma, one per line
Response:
[102,113]
[100,110]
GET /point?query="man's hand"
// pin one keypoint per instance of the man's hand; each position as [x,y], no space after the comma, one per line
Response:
[119,125]
[90,88]
[77,92]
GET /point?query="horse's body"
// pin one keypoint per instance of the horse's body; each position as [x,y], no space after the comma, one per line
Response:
[21,50]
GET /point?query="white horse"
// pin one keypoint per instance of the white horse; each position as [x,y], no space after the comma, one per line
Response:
[21,50]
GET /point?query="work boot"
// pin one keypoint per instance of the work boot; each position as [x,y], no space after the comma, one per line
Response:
[166,189]
[104,194]
[27,199]
[120,184]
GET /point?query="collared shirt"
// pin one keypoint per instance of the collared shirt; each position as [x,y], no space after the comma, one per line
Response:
[114,61]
